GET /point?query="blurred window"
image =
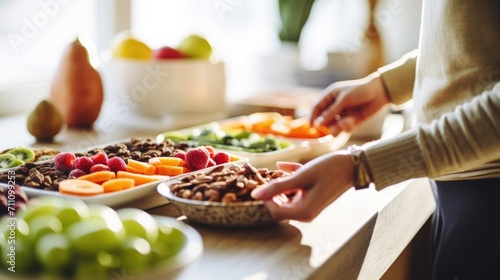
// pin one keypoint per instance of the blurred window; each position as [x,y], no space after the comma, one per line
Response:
[33,33]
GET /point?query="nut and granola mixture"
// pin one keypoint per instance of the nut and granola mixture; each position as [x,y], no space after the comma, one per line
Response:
[233,184]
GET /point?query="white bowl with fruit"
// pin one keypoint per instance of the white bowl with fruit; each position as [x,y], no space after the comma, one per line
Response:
[184,80]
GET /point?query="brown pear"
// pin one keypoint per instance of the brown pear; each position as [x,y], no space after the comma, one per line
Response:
[77,87]
[45,121]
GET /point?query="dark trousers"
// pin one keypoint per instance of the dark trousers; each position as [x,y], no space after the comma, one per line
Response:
[466,229]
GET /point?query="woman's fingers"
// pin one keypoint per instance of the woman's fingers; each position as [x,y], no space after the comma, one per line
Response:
[288,166]
[273,188]
[320,106]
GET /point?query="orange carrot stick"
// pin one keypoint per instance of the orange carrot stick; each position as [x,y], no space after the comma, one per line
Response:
[99,176]
[144,167]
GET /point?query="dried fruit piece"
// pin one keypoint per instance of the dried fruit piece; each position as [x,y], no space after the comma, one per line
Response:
[80,187]
[64,161]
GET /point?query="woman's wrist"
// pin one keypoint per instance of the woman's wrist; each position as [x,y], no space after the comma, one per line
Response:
[362,177]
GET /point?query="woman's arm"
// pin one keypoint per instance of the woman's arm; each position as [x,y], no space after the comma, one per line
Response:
[460,140]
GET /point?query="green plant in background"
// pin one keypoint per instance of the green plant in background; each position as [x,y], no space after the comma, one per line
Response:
[294,15]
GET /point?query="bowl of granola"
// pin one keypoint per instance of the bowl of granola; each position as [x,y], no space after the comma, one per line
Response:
[220,196]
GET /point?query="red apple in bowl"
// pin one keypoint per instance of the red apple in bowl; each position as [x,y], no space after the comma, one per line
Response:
[167,53]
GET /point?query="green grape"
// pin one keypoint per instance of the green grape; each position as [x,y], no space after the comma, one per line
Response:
[41,225]
[136,253]
[170,241]
[139,223]
[53,251]
[91,235]
[72,212]
[36,208]
[109,260]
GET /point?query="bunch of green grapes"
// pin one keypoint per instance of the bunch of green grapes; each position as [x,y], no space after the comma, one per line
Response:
[63,238]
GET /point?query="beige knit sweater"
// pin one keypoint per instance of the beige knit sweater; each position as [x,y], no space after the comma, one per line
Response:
[455,86]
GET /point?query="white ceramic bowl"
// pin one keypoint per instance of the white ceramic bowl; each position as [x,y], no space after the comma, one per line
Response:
[161,87]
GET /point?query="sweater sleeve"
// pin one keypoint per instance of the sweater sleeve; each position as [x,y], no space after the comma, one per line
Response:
[458,141]
[399,77]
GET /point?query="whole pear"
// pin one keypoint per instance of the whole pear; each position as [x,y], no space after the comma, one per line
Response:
[77,87]
[45,121]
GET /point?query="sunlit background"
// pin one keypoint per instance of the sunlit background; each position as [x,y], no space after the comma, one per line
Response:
[33,33]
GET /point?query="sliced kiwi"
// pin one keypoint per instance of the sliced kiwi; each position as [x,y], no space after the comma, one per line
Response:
[22,153]
[45,157]
[8,161]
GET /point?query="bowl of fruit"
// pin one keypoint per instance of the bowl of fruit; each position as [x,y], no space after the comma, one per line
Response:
[221,196]
[69,239]
[181,80]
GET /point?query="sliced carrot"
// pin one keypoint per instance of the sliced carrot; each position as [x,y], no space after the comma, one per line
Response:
[169,170]
[139,179]
[118,184]
[99,176]
[183,163]
[79,187]
[144,167]
[170,161]
[133,169]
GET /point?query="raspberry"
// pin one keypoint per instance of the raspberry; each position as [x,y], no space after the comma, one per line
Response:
[221,158]
[64,161]
[211,162]
[205,150]
[99,167]
[75,173]
[211,151]
[83,163]
[100,158]
[181,155]
[117,164]
[197,158]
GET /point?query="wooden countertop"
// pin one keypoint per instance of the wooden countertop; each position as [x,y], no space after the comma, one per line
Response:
[357,237]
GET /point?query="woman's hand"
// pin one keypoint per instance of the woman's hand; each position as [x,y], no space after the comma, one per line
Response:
[344,105]
[317,184]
